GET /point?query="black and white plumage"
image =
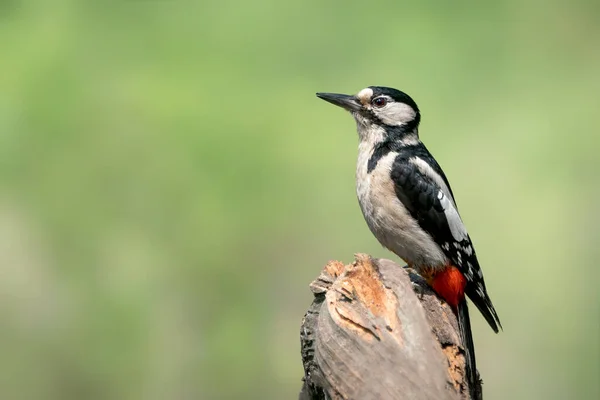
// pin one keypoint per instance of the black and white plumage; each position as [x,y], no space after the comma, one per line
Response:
[407,201]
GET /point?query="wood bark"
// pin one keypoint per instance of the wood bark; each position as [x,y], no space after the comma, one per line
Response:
[375,330]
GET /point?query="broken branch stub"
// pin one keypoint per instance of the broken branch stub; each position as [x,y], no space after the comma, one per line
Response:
[368,335]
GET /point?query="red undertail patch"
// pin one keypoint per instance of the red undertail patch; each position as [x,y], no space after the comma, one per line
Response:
[450,285]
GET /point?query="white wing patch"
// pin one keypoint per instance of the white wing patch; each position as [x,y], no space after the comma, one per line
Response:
[428,171]
[457,228]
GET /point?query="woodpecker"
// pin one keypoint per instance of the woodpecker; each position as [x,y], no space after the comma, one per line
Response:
[408,205]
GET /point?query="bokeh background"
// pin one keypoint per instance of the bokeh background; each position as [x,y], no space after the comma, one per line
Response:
[169,185]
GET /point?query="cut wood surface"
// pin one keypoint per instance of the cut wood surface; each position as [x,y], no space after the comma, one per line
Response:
[376,331]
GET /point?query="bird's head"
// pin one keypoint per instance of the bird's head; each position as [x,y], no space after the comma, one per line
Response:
[379,111]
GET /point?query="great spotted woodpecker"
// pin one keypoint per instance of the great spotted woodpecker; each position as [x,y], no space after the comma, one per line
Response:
[408,204]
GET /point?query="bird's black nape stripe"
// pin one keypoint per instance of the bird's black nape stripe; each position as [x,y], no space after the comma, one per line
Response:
[392,142]
[378,153]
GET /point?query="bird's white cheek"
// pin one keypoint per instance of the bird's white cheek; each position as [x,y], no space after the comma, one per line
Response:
[396,114]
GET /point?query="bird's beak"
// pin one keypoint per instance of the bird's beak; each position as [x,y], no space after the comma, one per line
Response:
[345,101]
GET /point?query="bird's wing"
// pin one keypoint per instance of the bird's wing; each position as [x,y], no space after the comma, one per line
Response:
[431,205]
[424,191]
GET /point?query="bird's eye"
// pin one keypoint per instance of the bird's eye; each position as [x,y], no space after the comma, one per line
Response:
[379,101]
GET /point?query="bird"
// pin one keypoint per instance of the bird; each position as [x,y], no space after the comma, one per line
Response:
[408,205]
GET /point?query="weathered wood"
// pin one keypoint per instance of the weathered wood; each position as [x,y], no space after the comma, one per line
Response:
[376,331]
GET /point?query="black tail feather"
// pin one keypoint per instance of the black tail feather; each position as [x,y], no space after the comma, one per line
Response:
[464,325]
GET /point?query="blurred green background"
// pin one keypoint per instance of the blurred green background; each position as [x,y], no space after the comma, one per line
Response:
[170,185]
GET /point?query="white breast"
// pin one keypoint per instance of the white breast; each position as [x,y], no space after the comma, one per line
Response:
[386,216]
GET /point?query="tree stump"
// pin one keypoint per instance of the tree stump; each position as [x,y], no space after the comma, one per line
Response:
[376,331]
